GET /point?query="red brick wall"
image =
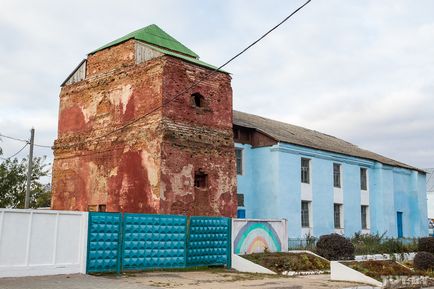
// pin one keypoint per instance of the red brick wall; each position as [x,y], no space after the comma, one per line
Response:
[149,166]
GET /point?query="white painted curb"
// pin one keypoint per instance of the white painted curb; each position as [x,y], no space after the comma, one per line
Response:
[243,265]
[340,272]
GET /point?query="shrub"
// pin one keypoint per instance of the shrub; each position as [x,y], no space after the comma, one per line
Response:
[424,261]
[426,244]
[335,247]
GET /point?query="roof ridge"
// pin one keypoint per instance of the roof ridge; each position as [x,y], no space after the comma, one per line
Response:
[153,34]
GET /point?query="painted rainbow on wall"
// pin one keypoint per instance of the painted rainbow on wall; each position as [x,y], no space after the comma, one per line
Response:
[254,237]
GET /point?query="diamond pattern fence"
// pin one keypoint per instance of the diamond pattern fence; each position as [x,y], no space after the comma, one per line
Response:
[124,242]
[209,241]
[103,242]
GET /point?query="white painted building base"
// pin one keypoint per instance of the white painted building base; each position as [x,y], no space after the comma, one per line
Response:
[340,272]
[243,265]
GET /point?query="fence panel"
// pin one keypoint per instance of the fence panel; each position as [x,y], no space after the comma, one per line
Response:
[104,242]
[209,241]
[153,241]
[42,242]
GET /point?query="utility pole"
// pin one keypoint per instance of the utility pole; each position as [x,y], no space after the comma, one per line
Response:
[29,170]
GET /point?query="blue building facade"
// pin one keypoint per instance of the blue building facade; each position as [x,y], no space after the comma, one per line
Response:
[322,184]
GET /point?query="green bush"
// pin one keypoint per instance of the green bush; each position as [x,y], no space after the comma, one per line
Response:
[424,261]
[335,247]
[426,244]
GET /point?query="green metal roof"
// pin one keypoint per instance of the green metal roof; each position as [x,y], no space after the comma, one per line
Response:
[153,34]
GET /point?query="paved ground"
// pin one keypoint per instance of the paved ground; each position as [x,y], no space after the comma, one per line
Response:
[214,279]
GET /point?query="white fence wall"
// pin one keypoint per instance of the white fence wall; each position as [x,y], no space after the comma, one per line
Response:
[42,242]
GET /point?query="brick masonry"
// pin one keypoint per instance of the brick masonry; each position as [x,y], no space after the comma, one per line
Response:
[149,166]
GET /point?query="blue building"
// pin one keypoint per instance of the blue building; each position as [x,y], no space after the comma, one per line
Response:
[322,184]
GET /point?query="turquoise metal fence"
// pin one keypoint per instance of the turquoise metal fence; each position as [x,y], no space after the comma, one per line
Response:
[124,242]
[104,242]
[153,241]
[209,241]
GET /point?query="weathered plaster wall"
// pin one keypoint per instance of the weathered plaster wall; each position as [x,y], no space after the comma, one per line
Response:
[148,166]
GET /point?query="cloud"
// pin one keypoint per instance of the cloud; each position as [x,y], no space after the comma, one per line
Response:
[360,70]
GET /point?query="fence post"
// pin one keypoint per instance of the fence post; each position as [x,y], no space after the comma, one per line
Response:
[229,247]
[121,245]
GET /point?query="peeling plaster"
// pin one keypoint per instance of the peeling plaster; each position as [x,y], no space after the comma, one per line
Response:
[121,96]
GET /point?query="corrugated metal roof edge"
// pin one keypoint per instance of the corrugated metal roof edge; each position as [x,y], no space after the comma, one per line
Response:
[404,166]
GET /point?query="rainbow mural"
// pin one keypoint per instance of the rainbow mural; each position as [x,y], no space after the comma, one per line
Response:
[254,237]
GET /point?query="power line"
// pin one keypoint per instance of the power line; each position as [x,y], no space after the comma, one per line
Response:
[207,76]
[23,140]
[15,153]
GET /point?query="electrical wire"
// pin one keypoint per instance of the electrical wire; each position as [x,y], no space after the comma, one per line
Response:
[15,153]
[207,76]
[23,140]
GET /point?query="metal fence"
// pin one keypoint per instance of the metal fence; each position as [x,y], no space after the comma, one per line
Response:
[302,243]
[123,242]
[363,244]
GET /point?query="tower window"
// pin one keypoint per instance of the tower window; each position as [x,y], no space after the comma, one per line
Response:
[200,179]
[198,100]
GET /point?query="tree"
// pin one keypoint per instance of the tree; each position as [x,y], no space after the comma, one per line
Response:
[13,179]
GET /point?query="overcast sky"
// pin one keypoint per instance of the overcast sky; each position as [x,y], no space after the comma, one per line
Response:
[359,70]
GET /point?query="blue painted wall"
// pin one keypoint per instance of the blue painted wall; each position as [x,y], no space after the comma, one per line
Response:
[272,189]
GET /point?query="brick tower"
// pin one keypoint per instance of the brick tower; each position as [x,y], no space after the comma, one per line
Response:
[125,146]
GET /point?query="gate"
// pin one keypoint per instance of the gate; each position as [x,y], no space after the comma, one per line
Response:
[104,242]
[209,241]
[122,242]
[153,241]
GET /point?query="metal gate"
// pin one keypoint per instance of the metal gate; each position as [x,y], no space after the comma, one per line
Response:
[122,242]
[104,242]
[209,241]
[153,241]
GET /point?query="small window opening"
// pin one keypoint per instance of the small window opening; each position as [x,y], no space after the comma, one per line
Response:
[92,208]
[240,199]
[198,100]
[200,179]
[101,208]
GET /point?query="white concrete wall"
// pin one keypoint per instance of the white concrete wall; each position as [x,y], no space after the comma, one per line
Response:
[340,272]
[42,242]
[254,235]
[243,265]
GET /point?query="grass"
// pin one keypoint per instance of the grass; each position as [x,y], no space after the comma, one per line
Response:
[280,262]
[376,268]
[379,244]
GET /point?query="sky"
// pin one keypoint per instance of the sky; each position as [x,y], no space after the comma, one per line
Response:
[362,71]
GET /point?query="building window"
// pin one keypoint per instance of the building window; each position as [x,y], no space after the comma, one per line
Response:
[200,179]
[337,175]
[338,216]
[305,214]
[102,208]
[363,179]
[239,159]
[364,217]
[197,100]
[240,199]
[305,170]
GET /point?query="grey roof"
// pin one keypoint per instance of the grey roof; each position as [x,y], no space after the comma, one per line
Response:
[297,135]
